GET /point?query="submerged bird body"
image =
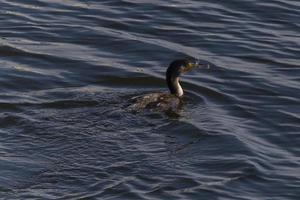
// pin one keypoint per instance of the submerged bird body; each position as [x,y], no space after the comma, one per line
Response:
[167,101]
[161,101]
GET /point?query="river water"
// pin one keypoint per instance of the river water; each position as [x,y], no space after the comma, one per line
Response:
[69,68]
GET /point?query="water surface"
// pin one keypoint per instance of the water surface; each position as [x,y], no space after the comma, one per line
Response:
[67,72]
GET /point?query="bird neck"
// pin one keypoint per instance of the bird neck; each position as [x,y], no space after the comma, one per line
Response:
[174,86]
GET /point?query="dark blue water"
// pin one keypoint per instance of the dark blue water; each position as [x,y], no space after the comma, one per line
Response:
[68,69]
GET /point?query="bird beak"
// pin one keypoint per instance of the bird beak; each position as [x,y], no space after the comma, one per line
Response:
[195,64]
[202,65]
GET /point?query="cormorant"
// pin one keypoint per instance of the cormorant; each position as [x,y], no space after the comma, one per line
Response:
[173,100]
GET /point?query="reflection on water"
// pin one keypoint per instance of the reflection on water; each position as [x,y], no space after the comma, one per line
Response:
[69,69]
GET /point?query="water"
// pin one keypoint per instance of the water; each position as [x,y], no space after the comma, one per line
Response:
[67,72]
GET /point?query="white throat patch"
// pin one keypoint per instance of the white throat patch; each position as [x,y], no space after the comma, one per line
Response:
[179,90]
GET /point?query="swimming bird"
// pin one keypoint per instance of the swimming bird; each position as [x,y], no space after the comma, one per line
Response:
[171,101]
